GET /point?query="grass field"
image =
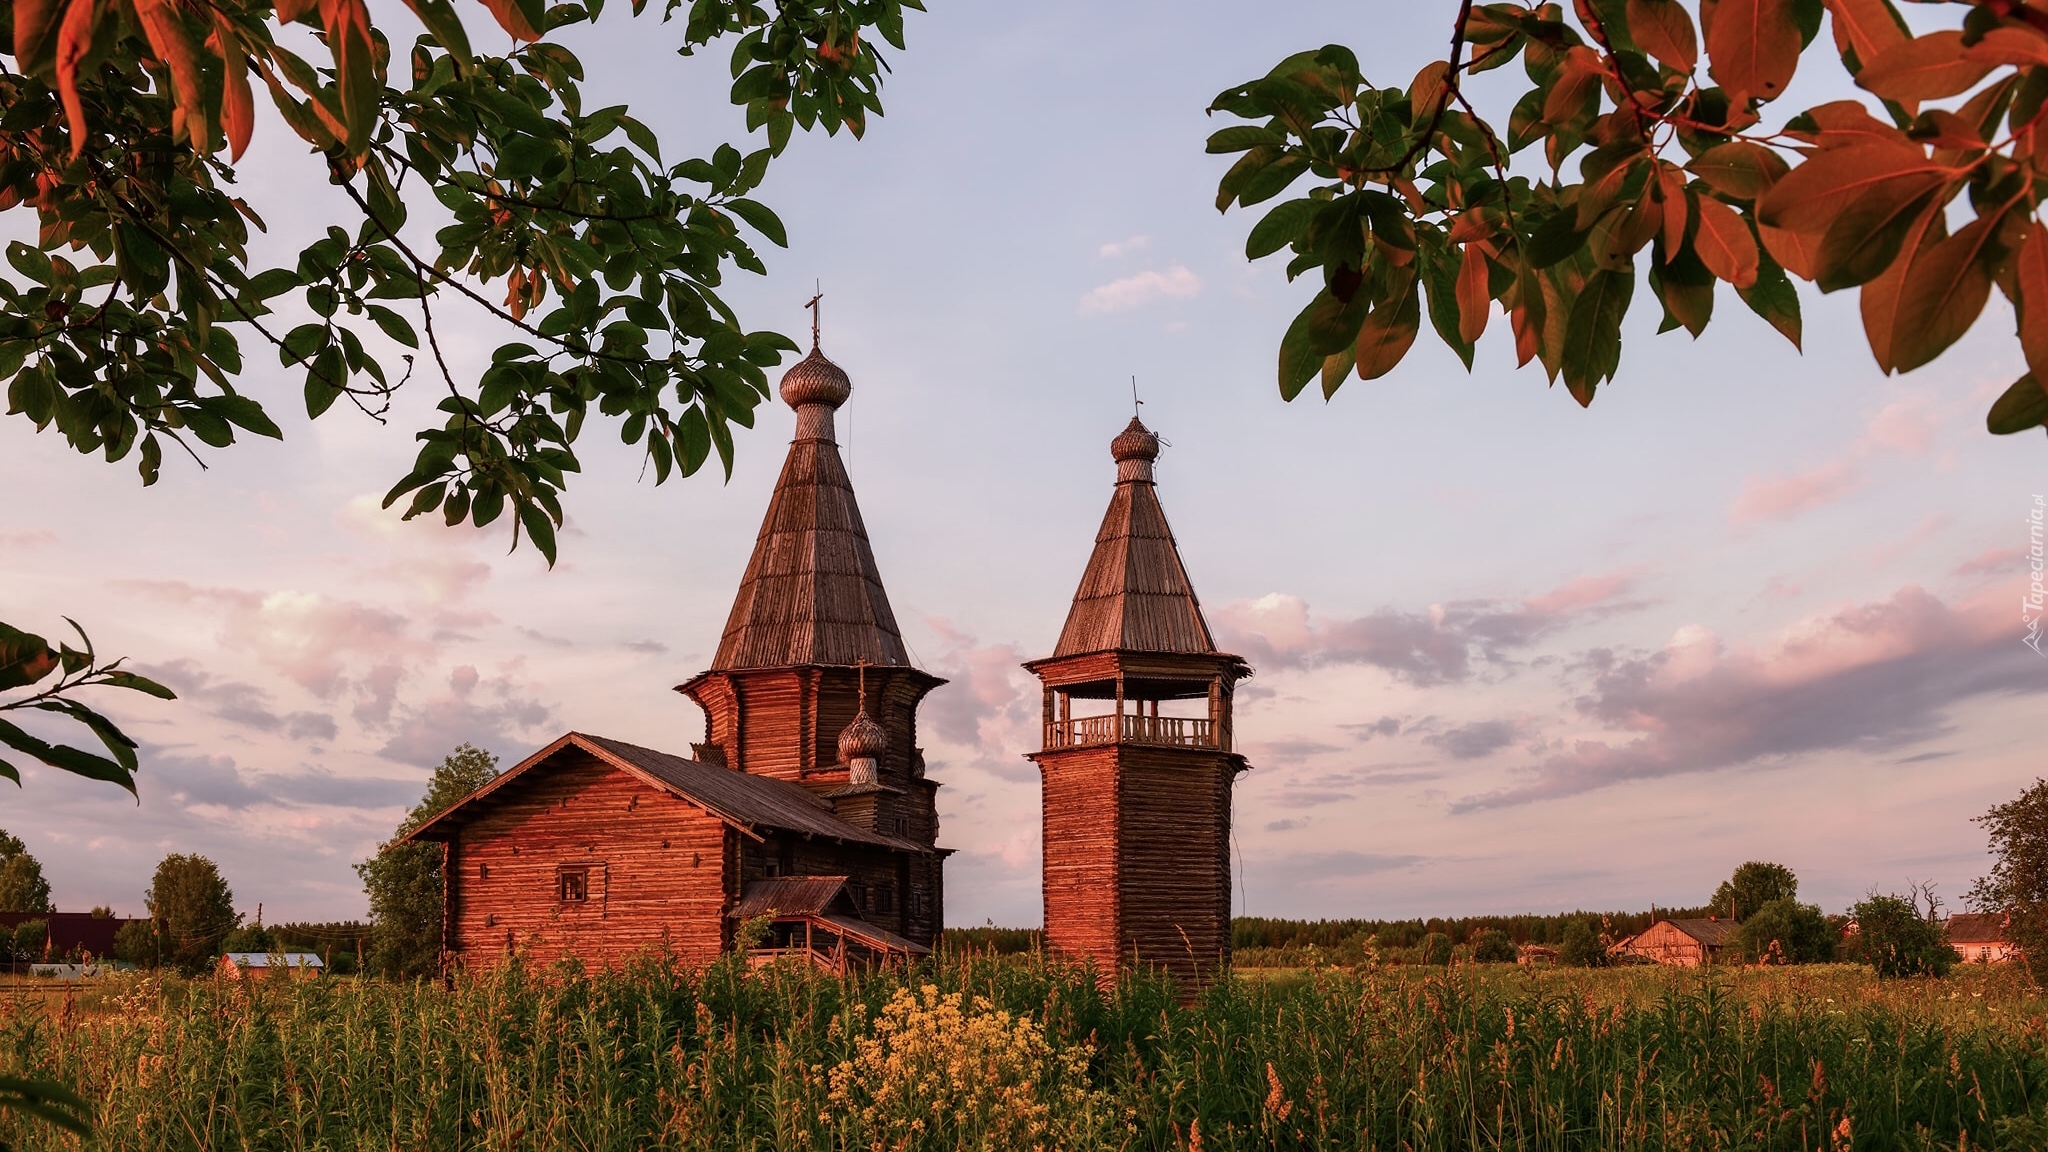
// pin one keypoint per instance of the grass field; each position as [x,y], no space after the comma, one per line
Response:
[1012,1053]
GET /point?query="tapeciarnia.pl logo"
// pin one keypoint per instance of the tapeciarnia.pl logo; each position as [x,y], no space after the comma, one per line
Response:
[2032,607]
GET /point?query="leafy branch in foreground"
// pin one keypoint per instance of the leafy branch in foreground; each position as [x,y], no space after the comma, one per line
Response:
[599,262]
[1662,117]
[26,661]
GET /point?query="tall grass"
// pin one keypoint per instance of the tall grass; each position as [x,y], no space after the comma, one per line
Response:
[987,1052]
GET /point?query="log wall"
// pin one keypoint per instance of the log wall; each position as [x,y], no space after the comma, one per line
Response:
[1174,874]
[658,871]
[1080,835]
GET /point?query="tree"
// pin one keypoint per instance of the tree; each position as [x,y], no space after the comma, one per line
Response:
[2018,884]
[193,910]
[1784,931]
[1492,946]
[139,943]
[1753,885]
[22,887]
[404,881]
[31,938]
[1896,938]
[1435,949]
[1581,946]
[1665,118]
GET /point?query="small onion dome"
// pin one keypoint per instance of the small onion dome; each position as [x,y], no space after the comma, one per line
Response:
[862,740]
[1135,442]
[815,380]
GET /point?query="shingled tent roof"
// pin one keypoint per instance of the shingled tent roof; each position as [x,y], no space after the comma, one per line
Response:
[1135,595]
[811,593]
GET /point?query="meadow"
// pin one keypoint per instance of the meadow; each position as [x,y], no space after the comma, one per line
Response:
[1015,1052]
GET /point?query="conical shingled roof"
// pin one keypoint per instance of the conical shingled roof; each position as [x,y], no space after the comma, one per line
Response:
[811,594]
[1135,595]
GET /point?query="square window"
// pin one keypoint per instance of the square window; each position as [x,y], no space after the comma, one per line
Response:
[771,868]
[572,885]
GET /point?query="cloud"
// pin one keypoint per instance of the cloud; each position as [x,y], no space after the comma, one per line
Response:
[23,541]
[1992,561]
[1124,247]
[990,708]
[1906,427]
[1131,291]
[217,781]
[238,702]
[1474,740]
[1877,676]
[1783,497]
[493,714]
[306,636]
[645,647]
[1384,726]
[1438,646]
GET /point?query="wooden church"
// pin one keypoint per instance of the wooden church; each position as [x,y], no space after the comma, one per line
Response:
[1136,754]
[806,803]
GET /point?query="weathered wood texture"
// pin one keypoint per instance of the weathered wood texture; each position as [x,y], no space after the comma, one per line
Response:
[657,870]
[1135,592]
[1174,874]
[1683,943]
[812,593]
[1081,835]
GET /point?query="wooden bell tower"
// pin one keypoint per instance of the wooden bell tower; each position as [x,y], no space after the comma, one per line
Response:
[1136,757]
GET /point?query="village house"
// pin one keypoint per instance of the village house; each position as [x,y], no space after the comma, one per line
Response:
[1135,755]
[1685,943]
[1979,938]
[805,805]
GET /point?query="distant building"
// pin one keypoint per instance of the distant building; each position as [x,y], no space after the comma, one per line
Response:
[269,965]
[1536,954]
[72,932]
[1979,938]
[1684,943]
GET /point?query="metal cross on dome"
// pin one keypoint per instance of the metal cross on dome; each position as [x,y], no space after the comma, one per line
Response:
[812,304]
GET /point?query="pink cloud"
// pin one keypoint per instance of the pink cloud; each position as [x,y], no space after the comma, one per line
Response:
[1991,561]
[1905,426]
[1783,497]
[1440,645]
[1877,676]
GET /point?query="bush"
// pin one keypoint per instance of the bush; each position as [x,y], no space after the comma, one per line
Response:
[1435,949]
[136,942]
[1582,946]
[1896,939]
[1784,931]
[30,939]
[1492,946]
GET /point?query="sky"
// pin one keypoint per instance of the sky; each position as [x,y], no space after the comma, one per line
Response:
[1511,655]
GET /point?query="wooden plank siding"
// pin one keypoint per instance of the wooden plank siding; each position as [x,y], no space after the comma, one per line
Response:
[1174,873]
[1081,835]
[657,871]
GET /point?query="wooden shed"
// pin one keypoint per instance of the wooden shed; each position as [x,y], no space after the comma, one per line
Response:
[1685,943]
[809,766]
[1135,756]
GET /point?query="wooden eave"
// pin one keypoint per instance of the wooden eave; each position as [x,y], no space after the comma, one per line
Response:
[742,802]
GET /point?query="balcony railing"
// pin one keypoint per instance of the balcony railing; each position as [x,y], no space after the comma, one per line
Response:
[1170,731]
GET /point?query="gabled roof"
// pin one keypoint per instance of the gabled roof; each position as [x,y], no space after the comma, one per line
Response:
[811,593]
[1976,928]
[822,900]
[1135,595]
[1713,933]
[743,801]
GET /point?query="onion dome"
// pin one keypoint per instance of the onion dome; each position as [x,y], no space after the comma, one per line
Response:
[815,380]
[863,739]
[1135,448]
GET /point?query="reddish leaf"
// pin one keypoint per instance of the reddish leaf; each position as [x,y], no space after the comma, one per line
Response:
[1884,318]
[167,38]
[515,18]
[355,68]
[237,106]
[1810,197]
[1427,89]
[1927,67]
[1389,330]
[1664,30]
[35,34]
[2032,272]
[1475,305]
[1867,28]
[1753,47]
[2017,45]
[1846,123]
[1865,238]
[1944,292]
[1724,243]
[1677,211]
[1797,252]
[1528,330]
[1739,168]
[74,40]
[1575,93]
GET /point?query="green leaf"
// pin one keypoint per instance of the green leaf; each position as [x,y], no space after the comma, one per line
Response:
[67,758]
[763,221]
[1279,226]
[1554,240]
[1774,297]
[1299,359]
[443,25]
[136,683]
[1241,137]
[1592,339]
[2023,406]
[244,413]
